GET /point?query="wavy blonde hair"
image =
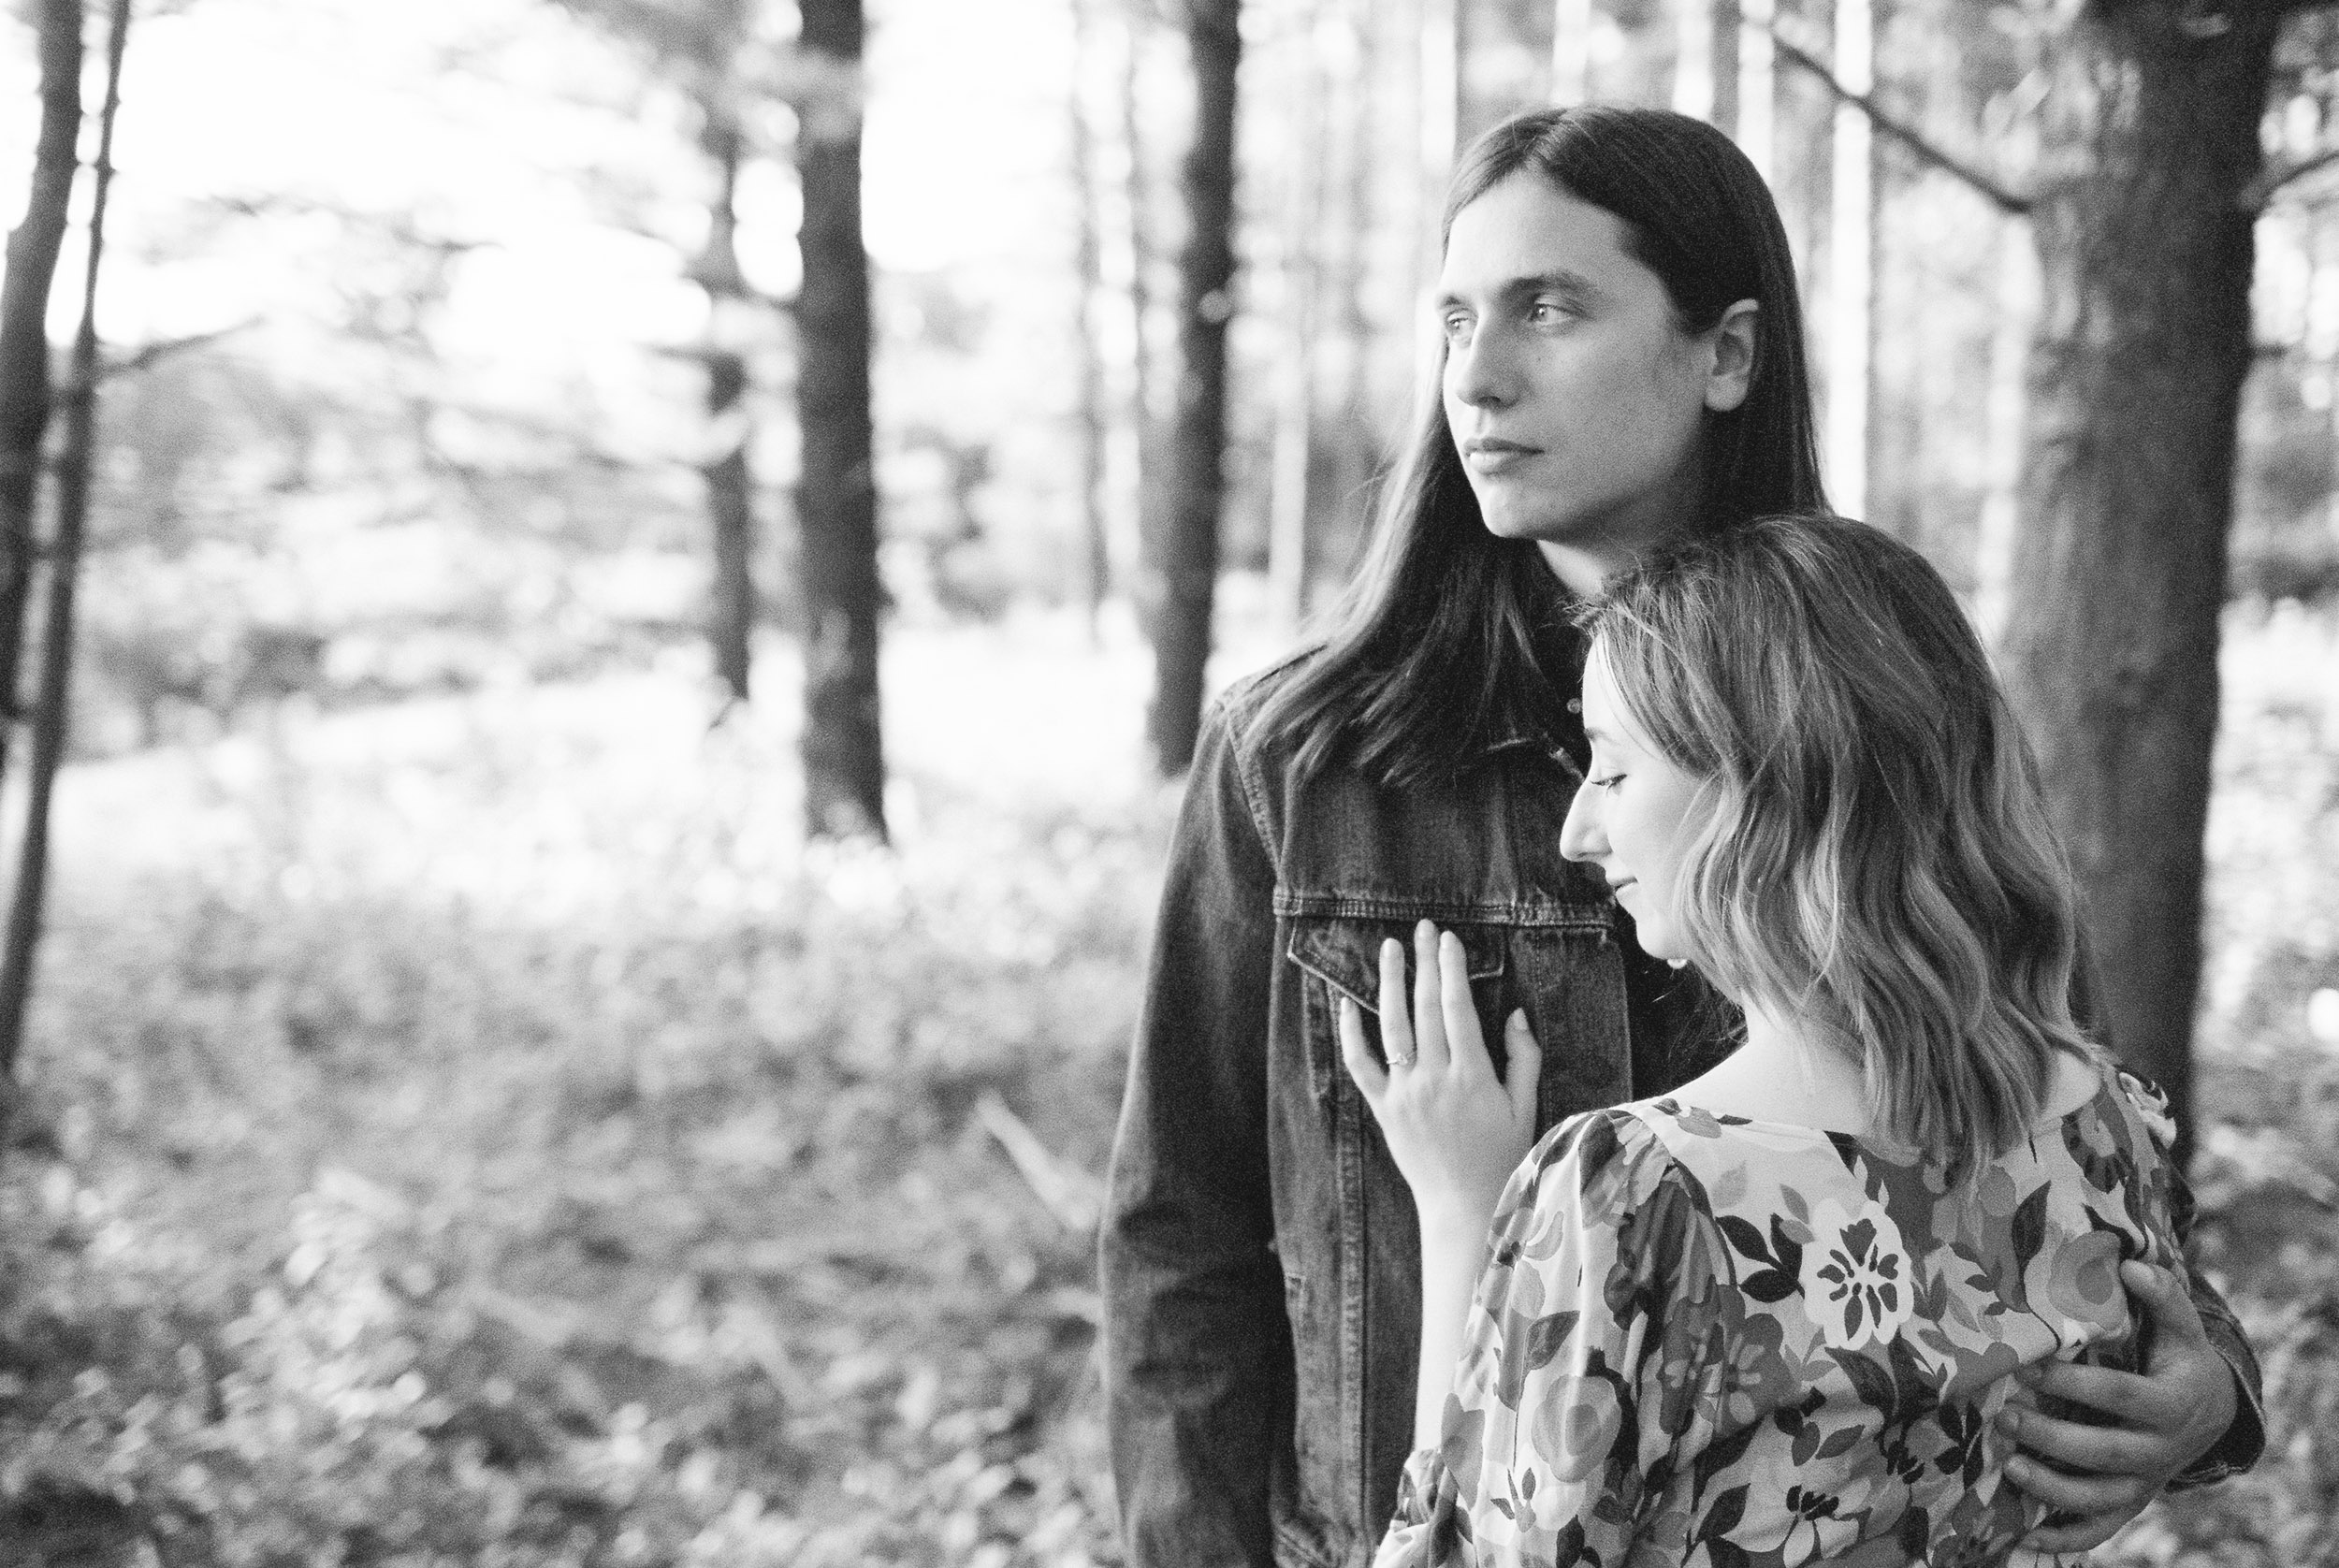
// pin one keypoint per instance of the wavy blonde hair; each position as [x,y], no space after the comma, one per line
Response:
[1879,864]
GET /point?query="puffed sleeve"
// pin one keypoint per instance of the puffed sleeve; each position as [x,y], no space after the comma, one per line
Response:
[1584,1384]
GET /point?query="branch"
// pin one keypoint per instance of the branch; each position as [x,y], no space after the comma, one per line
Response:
[1908,136]
[153,352]
[2259,192]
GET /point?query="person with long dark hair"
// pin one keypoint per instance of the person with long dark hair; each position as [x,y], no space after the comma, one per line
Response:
[1623,366]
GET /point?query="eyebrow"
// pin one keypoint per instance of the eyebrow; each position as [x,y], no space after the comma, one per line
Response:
[1560,281]
[1593,732]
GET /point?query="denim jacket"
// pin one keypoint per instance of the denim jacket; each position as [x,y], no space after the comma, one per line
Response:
[1260,1260]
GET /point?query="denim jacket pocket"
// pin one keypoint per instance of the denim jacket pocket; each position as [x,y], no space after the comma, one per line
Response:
[1344,953]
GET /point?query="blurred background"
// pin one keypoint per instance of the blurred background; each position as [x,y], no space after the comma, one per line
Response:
[591,767]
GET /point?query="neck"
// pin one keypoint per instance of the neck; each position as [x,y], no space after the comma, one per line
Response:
[1586,561]
[1583,570]
[1783,1074]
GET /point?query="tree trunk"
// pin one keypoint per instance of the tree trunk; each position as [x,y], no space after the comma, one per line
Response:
[65,561]
[844,763]
[1152,466]
[1694,58]
[730,486]
[1290,505]
[2135,384]
[1205,301]
[1725,26]
[1851,266]
[1758,84]
[1092,414]
[32,268]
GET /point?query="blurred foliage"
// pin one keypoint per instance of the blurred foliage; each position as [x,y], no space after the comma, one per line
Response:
[352,1223]
[639,1189]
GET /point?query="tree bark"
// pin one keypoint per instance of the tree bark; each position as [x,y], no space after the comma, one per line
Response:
[24,394]
[1205,301]
[844,763]
[64,559]
[2135,382]
[729,485]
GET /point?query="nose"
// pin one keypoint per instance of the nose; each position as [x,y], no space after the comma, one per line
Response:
[1582,836]
[1479,371]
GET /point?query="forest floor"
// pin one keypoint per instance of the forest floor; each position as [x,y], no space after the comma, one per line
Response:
[478,1132]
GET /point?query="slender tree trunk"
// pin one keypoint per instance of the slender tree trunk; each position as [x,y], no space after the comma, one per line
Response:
[1694,58]
[1093,415]
[2001,505]
[1356,448]
[1153,459]
[1851,266]
[2136,375]
[844,763]
[65,561]
[1205,301]
[32,268]
[1758,84]
[1725,26]
[1289,555]
[730,486]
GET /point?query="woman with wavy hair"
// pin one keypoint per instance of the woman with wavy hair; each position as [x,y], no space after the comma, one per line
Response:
[1766,1317]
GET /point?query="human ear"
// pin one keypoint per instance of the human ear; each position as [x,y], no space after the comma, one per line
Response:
[1733,370]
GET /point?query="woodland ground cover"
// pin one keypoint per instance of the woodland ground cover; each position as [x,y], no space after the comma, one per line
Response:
[478,1132]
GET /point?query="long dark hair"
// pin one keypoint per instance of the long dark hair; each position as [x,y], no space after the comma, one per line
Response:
[1450,639]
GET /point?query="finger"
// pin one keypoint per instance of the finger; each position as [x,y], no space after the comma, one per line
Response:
[1429,1028]
[1397,1042]
[2176,1325]
[2115,1396]
[2113,1451]
[2086,1495]
[1357,1053]
[1526,1066]
[1463,1038]
[2076,1535]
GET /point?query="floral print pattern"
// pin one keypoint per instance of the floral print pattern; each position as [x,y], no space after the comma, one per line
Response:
[1706,1341]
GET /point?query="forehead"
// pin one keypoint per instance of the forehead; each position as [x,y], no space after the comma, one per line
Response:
[1524,226]
[1603,711]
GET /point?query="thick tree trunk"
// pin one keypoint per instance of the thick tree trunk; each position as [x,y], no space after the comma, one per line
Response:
[730,486]
[844,763]
[1205,301]
[54,702]
[32,268]
[2135,383]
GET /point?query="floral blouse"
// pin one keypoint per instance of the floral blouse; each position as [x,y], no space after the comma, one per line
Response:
[1705,1340]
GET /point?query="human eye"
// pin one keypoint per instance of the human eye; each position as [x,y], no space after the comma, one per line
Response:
[1550,310]
[1455,324]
